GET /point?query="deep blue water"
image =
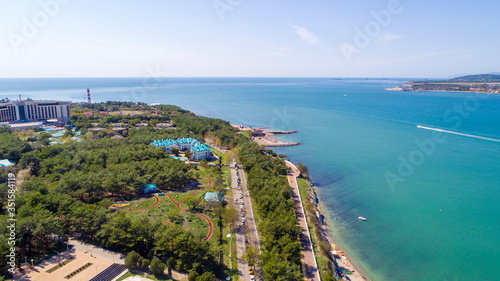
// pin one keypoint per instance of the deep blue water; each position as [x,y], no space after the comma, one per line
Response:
[436,218]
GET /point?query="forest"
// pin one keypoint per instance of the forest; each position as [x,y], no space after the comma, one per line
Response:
[279,230]
[68,188]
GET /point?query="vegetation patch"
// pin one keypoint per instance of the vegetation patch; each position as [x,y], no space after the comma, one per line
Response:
[78,270]
[61,264]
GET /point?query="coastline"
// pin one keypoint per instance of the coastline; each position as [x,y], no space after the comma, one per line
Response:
[346,261]
[338,260]
[265,136]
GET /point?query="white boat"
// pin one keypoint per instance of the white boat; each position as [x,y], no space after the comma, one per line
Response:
[362,218]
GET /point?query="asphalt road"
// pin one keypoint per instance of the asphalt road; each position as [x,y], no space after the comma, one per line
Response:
[240,231]
[245,232]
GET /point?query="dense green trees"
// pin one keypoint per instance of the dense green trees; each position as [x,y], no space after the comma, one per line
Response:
[189,251]
[70,183]
[11,147]
[279,229]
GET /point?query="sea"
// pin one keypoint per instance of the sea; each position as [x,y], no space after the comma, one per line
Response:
[422,167]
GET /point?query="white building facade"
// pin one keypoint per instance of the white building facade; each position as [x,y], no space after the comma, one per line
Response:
[34,110]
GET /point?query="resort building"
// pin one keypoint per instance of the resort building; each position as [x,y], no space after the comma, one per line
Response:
[163,125]
[34,110]
[199,150]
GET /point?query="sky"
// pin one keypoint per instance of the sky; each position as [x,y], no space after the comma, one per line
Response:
[249,38]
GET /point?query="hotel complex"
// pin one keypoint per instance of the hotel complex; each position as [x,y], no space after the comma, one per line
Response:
[34,110]
[199,150]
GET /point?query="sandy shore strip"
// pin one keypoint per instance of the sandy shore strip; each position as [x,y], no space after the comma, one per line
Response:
[344,262]
[341,259]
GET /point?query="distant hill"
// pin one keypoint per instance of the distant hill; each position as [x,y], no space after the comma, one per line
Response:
[492,77]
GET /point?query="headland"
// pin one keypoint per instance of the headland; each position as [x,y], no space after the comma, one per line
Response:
[264,137]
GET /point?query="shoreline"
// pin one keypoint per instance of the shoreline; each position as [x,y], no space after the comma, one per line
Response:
[265,136]
[321,223]
[346,261]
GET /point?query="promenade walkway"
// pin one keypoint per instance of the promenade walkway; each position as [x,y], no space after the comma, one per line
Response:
[310,264]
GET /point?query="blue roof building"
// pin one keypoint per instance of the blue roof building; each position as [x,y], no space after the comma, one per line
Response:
[201,151]
[149,188]
[214,197]
[6,163]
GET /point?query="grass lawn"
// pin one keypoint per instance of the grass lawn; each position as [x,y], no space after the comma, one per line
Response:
[245,133]
[160,212]
[229,245]
[223,156]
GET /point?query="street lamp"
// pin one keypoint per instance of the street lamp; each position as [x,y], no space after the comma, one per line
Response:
[32,263]
[93,241]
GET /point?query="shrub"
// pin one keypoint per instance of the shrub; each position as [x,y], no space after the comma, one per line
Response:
[132,259]
[193,275]
[157,267]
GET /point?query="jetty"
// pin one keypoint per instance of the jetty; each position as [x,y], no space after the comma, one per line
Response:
[264,137]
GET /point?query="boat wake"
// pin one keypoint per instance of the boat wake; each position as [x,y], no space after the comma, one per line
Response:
[459,134]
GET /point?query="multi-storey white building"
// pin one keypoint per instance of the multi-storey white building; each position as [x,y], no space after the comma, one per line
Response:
[34,110]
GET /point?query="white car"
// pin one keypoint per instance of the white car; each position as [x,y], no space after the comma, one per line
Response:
[235,198]
[241,206]
[244,220]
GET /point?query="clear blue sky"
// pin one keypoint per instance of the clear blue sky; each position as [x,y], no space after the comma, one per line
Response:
[278,38]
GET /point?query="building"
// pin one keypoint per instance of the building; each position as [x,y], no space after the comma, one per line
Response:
[34,110]
[163,125]
[258,133]
[199,150]
[26,125]
[149,188]
[6,163]
[214,197]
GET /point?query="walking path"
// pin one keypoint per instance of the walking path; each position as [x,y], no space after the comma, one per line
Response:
[311,267]
[152,206]
[177,204]
[210,226]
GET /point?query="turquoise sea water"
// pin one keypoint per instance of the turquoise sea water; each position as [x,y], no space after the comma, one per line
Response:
[437,216]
